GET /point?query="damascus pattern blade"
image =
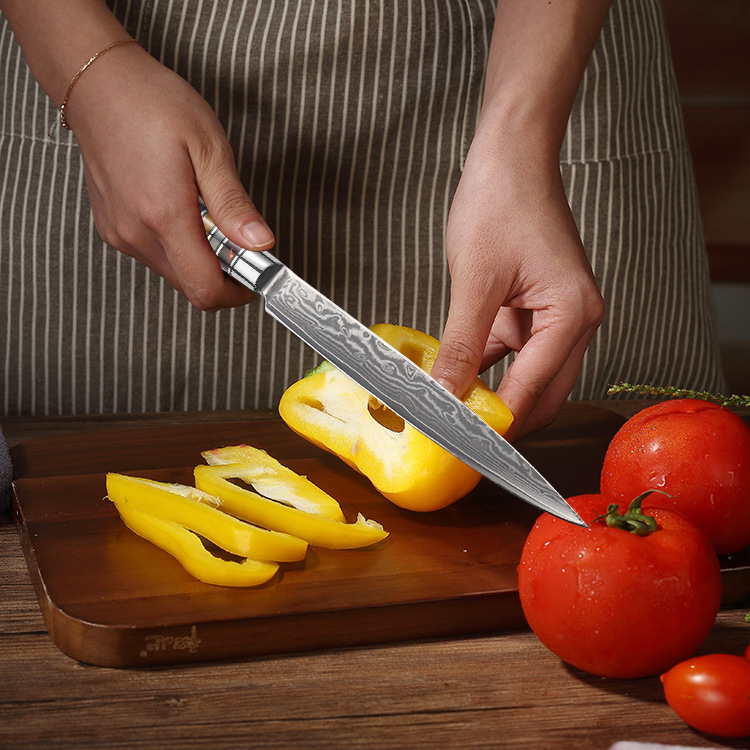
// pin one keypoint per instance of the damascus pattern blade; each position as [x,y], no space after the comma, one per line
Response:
[406,389]
[385,373]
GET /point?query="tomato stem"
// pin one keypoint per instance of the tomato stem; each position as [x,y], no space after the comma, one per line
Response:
[634,520]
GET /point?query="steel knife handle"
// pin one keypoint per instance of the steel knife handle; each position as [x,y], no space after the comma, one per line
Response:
[252,268]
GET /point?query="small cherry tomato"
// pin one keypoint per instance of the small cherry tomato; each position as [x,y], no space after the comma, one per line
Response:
[711,693]
[695,451]
[616,603]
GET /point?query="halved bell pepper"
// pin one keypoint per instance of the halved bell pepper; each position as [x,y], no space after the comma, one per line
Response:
[200,512]
[289,503]
[330,410]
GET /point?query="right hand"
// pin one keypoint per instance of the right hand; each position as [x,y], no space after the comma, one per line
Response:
[150,146]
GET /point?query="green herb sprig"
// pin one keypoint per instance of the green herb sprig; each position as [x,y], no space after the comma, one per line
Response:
[674,392]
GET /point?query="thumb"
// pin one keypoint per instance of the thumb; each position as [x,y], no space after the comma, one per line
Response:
[227,200]
[238,218]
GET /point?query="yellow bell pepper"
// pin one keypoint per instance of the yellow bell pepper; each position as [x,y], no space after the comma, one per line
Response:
[188,549]
[290,502]
[330,410]
[277,482]
[200,512]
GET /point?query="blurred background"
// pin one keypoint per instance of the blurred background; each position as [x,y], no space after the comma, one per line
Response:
[711,49]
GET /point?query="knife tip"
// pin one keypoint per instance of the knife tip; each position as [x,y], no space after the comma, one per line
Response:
[572,517]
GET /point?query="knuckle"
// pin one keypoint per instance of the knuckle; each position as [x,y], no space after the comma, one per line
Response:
[128,235]
[598,311]
[107,229]
[590,298]
[460,353]
[203,298]
[108,235]
[157,215]
[585,304]
[119,234]
[212,147]
[531,388]
[592,311]
[233,209]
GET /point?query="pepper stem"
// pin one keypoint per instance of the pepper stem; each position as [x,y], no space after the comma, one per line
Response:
[634,520]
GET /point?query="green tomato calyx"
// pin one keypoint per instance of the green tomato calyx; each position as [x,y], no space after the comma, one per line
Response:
[634,520]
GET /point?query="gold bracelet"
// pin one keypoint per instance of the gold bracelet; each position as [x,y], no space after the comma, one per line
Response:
[75,78]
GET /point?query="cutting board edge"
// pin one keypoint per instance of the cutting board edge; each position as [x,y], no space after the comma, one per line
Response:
[218,641]
[133,646]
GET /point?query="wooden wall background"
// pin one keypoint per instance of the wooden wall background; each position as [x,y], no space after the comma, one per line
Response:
[711,49]
[710,42]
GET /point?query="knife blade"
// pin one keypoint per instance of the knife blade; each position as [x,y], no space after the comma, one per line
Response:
[385,373]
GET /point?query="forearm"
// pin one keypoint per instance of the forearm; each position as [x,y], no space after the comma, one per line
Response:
[58,37]
[520,279]
[538,54]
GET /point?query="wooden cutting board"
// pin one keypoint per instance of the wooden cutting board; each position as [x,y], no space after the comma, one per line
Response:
[110,598]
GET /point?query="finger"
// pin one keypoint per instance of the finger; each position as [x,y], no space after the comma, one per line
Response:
[232,211]
[542,376]
[224,291]
[194,268]
[461,350]
[474,303]
[228,203]
[130,236]
[510,331]
[547,406]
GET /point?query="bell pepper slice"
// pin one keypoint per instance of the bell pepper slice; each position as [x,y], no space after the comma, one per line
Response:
[200,512]
[276,481]
[330,410]
[264,473]
[187,548]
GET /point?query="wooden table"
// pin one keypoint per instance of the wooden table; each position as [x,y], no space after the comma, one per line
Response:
[498,690]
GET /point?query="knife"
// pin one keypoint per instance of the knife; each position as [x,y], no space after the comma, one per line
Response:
[384,372]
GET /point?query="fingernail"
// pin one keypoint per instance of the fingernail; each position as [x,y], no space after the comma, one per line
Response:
[257,234]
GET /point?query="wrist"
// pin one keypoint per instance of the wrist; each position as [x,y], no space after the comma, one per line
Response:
[515,135]
[70,33]
[74,80]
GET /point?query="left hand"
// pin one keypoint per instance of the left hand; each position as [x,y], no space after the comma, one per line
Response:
[521,282]
[520,278]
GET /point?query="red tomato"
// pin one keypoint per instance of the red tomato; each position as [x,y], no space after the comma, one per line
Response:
[617,604]
[711,693]
[698,453]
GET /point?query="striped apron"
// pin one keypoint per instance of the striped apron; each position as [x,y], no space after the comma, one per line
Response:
[350,122]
